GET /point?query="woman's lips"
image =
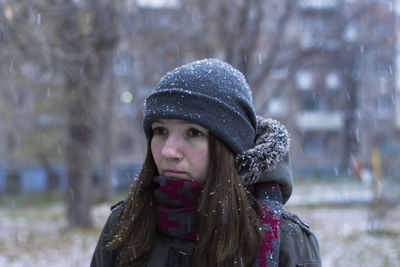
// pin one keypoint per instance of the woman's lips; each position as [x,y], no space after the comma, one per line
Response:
[175,173]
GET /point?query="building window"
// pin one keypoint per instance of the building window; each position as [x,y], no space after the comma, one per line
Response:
[332,81]
[308,101]
[351,32]
[313,144]
[277,107]
[384,105]
[304,80]
[313,101]
[383,68]
[158,3]
[320,143]
[319,5]
[313,34]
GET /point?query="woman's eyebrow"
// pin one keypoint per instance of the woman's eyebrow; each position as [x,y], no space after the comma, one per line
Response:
[158,121]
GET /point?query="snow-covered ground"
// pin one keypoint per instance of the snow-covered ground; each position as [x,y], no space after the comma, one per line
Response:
[342,223]
[345,238]
[352,231]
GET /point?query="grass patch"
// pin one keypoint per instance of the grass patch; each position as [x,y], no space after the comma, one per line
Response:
[352,238]
[43,206]
[42,200]
[118,196]
[49,213]
[333,205]
[83,231]
[385,233]
[29,200]
[340,180]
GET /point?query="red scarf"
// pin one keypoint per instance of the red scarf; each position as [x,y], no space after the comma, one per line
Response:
[176,206]
[270,198]
[176,202]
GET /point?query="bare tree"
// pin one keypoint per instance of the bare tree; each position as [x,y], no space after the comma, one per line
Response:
[252,36]
[23,76]
[73,40]
[105,135]
[84,60]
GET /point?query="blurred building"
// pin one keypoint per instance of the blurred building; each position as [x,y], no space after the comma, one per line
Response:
[342,101]
[344,98]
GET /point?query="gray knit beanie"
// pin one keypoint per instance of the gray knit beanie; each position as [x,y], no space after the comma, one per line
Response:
[210,93]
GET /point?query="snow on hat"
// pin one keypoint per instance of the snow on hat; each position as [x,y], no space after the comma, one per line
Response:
[210,93]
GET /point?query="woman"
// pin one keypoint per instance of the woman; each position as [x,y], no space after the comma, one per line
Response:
[212,185]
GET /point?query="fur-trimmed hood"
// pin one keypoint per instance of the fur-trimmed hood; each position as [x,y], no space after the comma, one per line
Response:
[268,161]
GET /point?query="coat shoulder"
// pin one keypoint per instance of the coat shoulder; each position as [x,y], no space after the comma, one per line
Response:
[103,257]
[117,206]
[292,221]
[299,245]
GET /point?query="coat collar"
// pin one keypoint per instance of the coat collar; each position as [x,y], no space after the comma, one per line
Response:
[268,160]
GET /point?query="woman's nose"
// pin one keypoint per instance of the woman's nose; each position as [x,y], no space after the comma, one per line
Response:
[172,148]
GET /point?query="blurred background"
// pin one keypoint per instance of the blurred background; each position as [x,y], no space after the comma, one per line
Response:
[74,75]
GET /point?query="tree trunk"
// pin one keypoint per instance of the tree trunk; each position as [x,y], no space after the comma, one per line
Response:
[84,72]
[52,176]
[13,182]
[351,133]
[106,141]
[78,151]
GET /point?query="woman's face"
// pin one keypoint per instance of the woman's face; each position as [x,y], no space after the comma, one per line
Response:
[180,149]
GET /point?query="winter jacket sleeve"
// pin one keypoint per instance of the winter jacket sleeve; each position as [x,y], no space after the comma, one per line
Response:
[299,246]
[103,257]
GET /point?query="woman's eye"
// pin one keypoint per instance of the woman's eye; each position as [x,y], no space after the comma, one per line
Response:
[194,132]
[159,131]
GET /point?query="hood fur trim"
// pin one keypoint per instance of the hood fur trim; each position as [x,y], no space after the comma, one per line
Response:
[271,145]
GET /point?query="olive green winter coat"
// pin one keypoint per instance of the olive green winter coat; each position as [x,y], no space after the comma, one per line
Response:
[298,246]
[269,163]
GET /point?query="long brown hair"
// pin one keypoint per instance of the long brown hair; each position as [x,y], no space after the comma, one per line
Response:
[229,232]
